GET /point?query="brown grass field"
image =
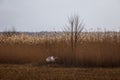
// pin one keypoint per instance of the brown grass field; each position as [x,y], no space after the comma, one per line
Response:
[94,49]
[28,72]
[22,57]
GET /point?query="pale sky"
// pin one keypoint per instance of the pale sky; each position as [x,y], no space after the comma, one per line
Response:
[52,15]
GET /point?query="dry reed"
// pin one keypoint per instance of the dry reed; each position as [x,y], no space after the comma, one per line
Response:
[95,49]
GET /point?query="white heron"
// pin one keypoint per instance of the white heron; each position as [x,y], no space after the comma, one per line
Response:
[51,59]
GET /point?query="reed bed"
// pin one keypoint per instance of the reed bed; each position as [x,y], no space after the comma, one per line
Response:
[100,49]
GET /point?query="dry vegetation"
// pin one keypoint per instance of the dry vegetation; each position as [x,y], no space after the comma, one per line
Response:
[22,57]
[27,72]
[95,49]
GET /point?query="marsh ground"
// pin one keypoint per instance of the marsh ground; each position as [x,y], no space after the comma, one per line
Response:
[31,72]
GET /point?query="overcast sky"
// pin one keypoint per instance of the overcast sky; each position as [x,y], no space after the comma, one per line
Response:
[49,15]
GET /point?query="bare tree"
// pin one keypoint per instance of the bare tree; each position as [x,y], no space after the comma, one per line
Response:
[74,28]
[10,32]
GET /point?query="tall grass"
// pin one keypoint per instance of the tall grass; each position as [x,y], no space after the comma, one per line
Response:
[95,49]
